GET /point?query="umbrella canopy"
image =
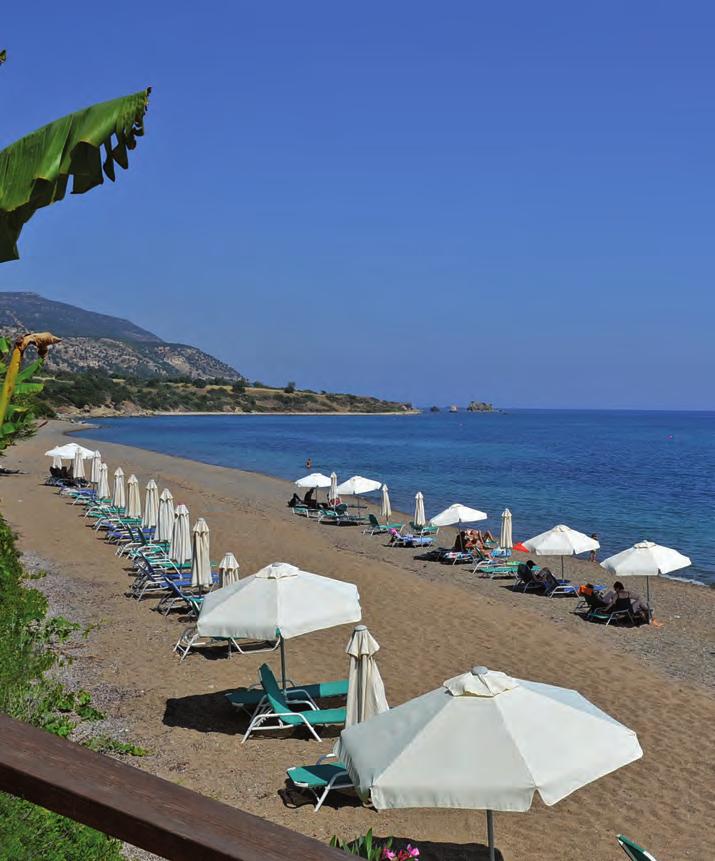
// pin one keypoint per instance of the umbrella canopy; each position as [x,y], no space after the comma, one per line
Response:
[165,516]
[485,741]
[103,485]
[77,465]
[67,451]
[561,541]
[134,502]
[458,514]
[333,492]
[505,539]
[151,505]
[180,546]
[366,692]
[385,508]
[228,570]
[96,464]
[315,479]
[646,559]
[279,600]
[119,499]
[358,485]
[419,518]
[201,559]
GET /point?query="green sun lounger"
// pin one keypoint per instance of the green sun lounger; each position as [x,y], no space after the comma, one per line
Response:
[633,850]
[321,778]
[251,697]
[280,713]
[374,527]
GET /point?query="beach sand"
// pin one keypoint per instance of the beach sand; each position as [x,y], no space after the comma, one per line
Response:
[432,622]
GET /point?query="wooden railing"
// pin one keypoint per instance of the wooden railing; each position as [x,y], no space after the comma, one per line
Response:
[140,808]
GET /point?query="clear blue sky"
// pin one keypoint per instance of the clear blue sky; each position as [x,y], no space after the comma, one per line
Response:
[436,202]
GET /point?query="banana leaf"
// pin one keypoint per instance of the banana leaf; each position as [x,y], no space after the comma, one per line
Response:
[35,170]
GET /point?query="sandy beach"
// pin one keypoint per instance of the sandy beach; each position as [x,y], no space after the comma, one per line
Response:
[432,622]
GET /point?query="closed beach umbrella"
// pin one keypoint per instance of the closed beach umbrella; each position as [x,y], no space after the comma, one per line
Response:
[561,541]
[646,559]
[56,462]
[78,465]
[103,485]
[366,692]
[333,493]
[282,601]
[96,464]
[505,539]
[485,741]
[315,479]
[386,508]
[200,557]
[419,520]
[134,502]
[165,517]
[228,570]
[180,546]
[151,505]
[118,495]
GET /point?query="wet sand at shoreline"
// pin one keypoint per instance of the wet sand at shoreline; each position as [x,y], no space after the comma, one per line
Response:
[432,622]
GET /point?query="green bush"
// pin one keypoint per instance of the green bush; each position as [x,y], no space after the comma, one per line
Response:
[27,651]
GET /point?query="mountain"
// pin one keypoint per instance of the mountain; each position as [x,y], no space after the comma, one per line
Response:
[104,343]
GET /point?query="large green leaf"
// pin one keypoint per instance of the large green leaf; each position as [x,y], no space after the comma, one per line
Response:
[4,346]
[28,388]
[29,370]
[34,171]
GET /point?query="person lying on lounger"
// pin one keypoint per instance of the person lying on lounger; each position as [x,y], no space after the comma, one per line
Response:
[638,607]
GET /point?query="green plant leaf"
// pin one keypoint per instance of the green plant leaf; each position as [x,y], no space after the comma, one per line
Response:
[8,428]
[4,345]
[28,371]
[28,388]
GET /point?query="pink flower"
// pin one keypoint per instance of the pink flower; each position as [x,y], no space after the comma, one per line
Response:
[412,851]
[388,855]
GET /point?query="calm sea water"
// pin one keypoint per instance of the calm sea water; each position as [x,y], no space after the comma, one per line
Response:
[625,475]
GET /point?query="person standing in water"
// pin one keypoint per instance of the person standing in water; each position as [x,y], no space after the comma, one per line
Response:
[592,554]
[309,463]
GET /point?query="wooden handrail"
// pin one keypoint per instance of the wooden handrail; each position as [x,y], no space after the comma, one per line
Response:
[138,807]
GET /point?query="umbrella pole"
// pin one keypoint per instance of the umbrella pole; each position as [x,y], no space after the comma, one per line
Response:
[647,593]
[283,662]
[490,835]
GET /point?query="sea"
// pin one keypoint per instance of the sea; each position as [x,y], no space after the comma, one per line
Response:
[626,475]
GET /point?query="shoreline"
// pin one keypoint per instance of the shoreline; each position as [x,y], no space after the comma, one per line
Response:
[431,621]
[83,416]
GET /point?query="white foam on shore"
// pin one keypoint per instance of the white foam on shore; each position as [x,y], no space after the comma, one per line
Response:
[687,580]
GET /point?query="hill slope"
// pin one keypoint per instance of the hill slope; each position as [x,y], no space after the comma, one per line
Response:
[104,343]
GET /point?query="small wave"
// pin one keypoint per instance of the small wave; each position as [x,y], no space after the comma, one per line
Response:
[687,580]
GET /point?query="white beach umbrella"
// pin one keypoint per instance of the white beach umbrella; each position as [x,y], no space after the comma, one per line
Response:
[333,492]
[386,508]
[505,538]
[315,479]
[419,519]
[151,505]
[134,502]
[357,486]
[103,485]
[282,601]
[56,462]
[200,557]
[561,541]
[180,546]
[228,570]
[485,741]
[165,517]
[646,559]
[77,465]
[67,451]
[366,691]
[96,464]
[119,499]
[457,514]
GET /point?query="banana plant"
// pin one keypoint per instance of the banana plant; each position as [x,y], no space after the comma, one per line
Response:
[15,410]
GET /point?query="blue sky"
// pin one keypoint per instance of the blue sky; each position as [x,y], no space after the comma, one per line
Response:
[432,202]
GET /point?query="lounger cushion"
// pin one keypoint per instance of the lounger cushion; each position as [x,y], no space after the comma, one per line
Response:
[316,776]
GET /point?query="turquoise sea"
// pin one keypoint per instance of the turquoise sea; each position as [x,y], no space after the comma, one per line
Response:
[625,475]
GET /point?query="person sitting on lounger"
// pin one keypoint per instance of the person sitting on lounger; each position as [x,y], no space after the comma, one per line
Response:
[309,500]
[638,607]
[461,542]
[486,536]
[294,500]
[525,571]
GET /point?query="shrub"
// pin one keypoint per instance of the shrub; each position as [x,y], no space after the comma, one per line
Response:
[290,388]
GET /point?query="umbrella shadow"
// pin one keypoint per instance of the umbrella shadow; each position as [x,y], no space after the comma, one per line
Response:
[434,851]
[293,798]
[213,713]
